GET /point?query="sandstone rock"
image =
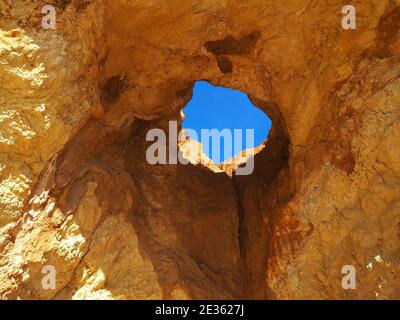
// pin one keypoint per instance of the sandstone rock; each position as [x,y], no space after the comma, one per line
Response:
[77,193]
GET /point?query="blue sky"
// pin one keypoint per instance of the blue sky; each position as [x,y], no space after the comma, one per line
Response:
[223,108]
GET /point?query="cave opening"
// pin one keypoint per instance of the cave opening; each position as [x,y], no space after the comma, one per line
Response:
[223,128]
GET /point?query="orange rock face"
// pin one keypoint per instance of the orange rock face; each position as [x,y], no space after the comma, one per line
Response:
[77,195]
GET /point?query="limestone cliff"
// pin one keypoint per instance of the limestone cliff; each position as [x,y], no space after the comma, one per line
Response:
[77,193]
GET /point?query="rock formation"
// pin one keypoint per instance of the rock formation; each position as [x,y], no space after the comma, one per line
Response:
[193,151]
[76,191]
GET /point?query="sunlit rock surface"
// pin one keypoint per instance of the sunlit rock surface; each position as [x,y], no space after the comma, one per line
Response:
[77,193]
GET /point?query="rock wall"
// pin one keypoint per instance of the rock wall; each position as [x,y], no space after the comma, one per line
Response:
[77,193]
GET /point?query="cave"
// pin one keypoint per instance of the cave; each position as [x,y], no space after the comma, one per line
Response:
[78,195]
[180,223]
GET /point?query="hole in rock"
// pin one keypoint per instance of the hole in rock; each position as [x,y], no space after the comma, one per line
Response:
[222,128]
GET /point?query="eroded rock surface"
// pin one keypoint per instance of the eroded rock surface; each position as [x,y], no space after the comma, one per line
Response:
[77,193]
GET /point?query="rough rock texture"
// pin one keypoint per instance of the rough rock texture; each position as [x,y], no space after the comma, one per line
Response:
[77,193]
